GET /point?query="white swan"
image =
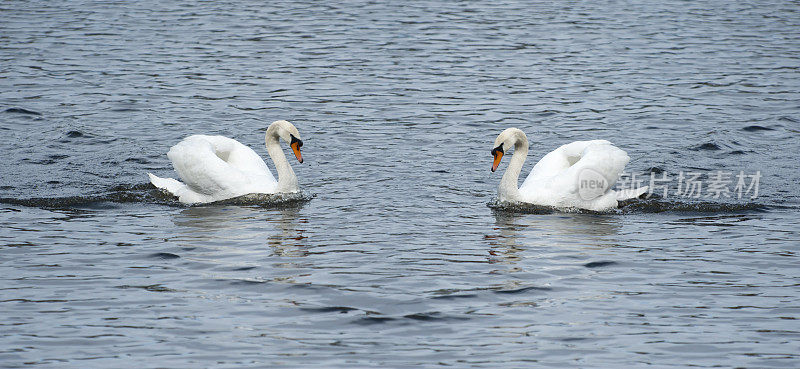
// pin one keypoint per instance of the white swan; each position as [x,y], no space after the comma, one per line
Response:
[215,168]
[576,175]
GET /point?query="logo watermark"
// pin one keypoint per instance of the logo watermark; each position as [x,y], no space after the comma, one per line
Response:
[691,184]
[592,184]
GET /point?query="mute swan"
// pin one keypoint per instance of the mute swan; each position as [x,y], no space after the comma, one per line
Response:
[215,168]
[576,175]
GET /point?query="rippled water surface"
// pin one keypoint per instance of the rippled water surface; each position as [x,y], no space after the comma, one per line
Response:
[396,260]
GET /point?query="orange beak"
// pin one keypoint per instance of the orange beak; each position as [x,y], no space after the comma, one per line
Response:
[498,154]
[296,148]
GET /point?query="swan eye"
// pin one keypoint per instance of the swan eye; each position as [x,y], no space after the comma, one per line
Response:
[497,149]
[297,141]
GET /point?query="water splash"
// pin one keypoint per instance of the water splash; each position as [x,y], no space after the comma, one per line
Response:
[634,206]
[148,194]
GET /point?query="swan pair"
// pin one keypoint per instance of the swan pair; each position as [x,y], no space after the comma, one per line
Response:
[576,175]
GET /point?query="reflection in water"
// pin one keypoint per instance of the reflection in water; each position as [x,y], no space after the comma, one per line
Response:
[212,218]
[243,242]
[289,241]
[222,225]
[505,244]
[517,232]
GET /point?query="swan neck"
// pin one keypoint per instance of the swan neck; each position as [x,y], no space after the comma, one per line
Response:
[287,180]
[509,190]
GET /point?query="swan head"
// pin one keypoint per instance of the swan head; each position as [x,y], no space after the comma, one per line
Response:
[504,141]
[289,133]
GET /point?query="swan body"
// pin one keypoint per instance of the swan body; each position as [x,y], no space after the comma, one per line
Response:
[215,168]
[576,175]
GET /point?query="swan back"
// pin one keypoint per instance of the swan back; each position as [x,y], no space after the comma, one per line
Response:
[565,157]
[556,179]
[220,167]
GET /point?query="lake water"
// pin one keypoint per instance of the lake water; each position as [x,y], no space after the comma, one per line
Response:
[396,260]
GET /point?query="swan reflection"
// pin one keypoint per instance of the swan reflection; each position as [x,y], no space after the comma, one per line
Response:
[245,245]
[516,232]
[218,225]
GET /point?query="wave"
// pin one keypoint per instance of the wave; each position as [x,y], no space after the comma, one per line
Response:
[22,111]
[149,194]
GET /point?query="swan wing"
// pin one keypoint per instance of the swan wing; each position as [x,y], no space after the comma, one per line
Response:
[220,167]
[556,179]
[558,161]
[598,157]
[240,157]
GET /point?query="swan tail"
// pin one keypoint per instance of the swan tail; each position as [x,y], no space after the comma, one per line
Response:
[631,193]
[168,184]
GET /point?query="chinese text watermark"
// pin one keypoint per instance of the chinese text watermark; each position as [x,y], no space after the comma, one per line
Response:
[718,184]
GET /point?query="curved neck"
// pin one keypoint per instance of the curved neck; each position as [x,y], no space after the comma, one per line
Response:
[287,180]
[508,190]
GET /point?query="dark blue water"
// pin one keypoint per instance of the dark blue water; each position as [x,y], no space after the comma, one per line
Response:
[397,260]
